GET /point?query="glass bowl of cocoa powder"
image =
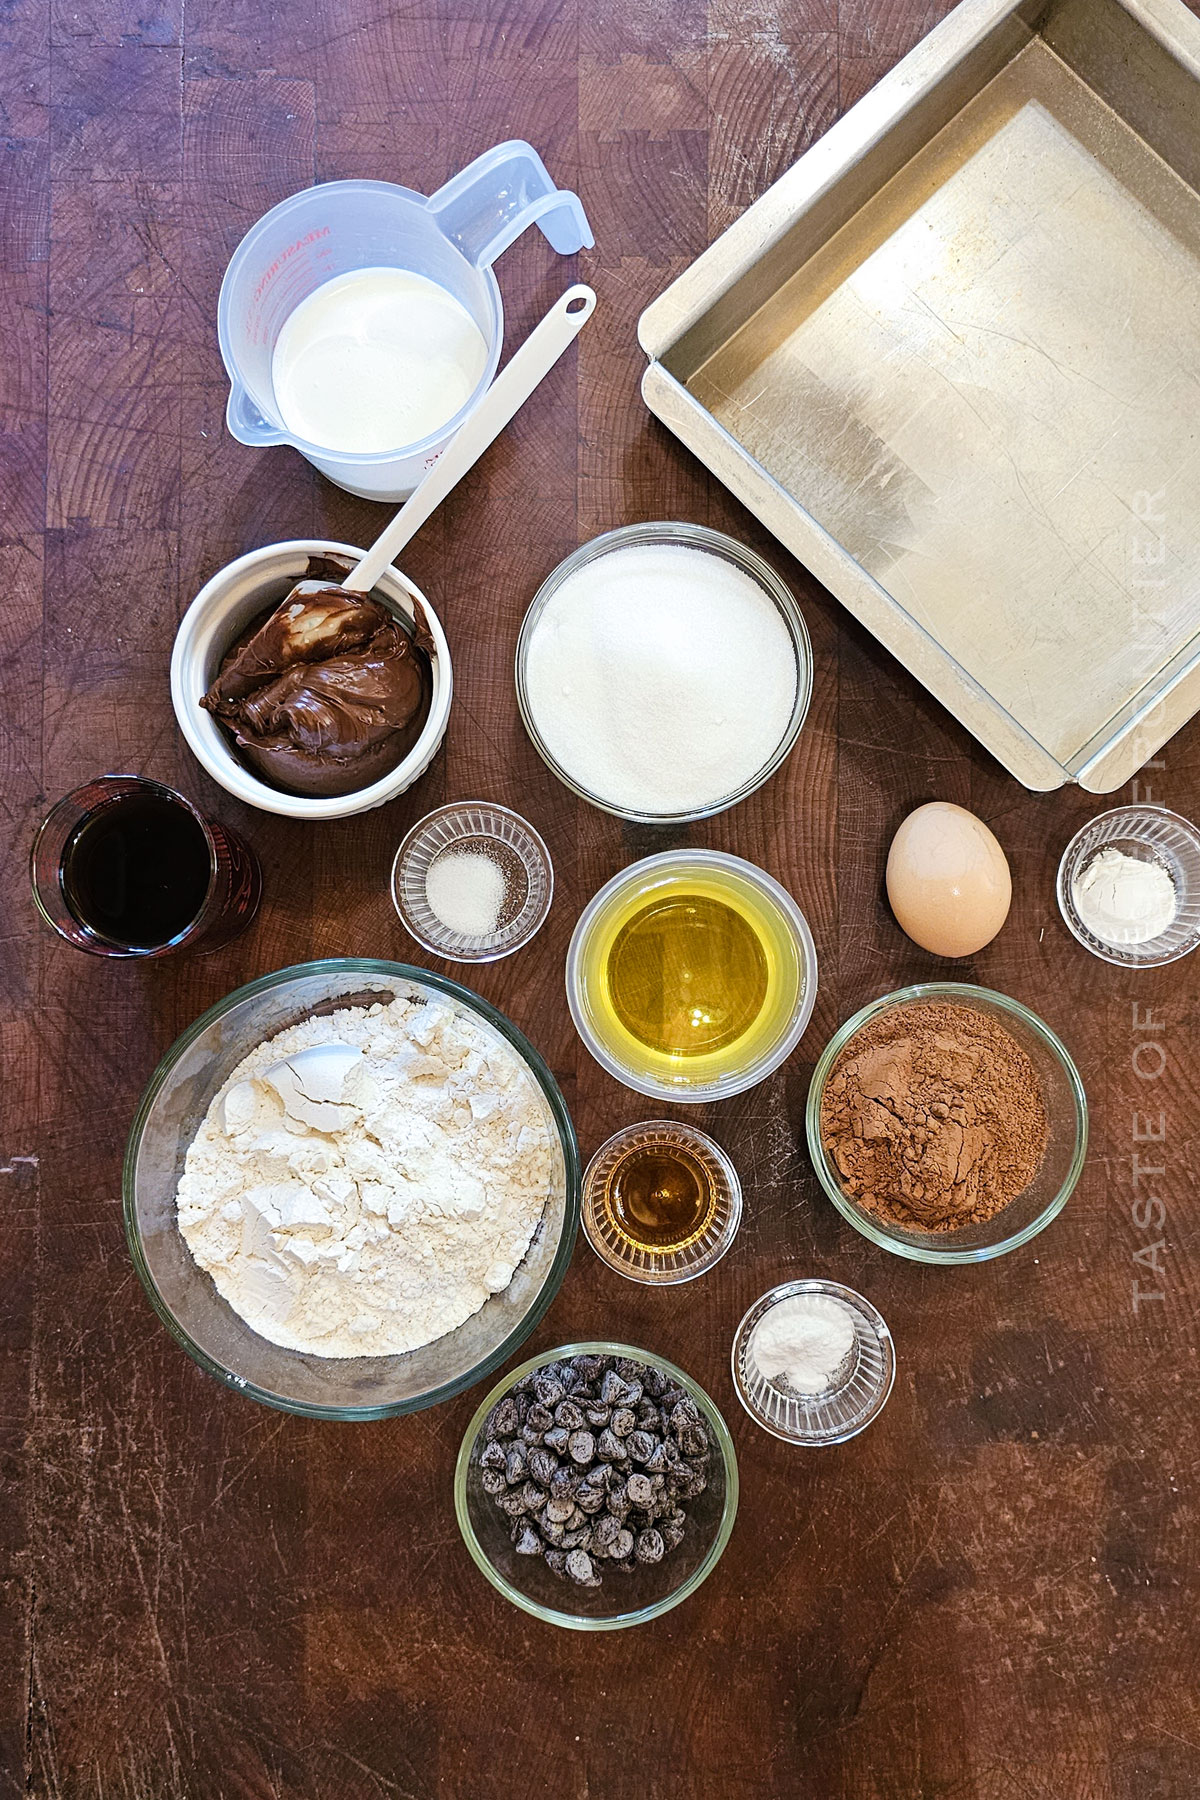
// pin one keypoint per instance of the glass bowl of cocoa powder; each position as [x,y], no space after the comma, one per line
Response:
[947,1123]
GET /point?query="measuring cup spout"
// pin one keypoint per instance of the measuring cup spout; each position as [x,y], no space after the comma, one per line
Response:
[485,207]
[247,424]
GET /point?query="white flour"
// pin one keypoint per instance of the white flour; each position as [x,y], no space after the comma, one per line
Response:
[367,1196]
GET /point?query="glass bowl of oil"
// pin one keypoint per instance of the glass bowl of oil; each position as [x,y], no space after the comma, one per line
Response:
[661,1202]
[691,975]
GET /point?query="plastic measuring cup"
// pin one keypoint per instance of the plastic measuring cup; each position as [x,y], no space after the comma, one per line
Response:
[452,237]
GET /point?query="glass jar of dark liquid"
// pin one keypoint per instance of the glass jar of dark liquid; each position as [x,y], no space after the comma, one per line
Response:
[123,866]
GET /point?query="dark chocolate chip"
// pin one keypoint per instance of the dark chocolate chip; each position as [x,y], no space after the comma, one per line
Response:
[639,1490]
[579,1566]
[543,1466]
[516,1466]
[504,1420]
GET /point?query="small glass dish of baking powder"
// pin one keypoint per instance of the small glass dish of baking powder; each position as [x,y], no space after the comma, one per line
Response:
[472,882]
[813,1362]
[1129,886]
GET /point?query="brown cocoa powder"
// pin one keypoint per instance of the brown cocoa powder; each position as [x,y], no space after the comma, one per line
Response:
[933,1116]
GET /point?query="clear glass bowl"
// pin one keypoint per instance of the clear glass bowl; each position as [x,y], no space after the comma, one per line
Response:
[499,833]
[1149,834]
[684,1262]
[623,1599]
[856,1396]
[183,1296]
[1062,1164]
[694,537]
[684,1085]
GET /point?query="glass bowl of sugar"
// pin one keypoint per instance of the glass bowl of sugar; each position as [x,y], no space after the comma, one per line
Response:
[663,672]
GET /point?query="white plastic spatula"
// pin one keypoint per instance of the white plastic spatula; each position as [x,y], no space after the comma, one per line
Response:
[525,369]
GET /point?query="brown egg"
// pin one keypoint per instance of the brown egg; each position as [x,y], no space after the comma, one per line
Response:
[948,880]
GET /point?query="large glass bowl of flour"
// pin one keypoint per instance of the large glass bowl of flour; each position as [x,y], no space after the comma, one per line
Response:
[663,672]
[173,1107]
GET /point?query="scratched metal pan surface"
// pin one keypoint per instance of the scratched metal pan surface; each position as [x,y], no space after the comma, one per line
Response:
[952,360]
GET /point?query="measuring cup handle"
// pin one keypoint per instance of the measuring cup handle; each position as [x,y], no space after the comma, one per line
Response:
[247,424]
[494,199]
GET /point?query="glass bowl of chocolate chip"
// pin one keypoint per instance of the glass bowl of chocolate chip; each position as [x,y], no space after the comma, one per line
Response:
[596,1486]
[947,1123]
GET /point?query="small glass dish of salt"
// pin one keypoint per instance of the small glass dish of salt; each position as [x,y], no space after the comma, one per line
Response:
[813,1362]
[472,882]
[1129,886]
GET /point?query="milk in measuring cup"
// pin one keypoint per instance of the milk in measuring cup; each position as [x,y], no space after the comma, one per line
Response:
[376,359]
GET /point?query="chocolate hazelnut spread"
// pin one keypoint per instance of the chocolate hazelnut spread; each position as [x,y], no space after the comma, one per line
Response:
[327,692]
[934,1117]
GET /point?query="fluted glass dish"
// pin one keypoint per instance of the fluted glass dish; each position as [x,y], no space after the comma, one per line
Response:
[662,1266]
[857,1393]
[206,1326]
[506,839]
[1147,834]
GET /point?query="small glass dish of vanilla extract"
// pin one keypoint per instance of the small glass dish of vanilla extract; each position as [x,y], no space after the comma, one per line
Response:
[661,1202]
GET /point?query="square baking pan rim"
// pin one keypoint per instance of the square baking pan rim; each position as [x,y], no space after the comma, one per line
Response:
[692,317]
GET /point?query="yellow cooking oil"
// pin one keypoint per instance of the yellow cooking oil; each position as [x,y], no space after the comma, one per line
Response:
[691,975]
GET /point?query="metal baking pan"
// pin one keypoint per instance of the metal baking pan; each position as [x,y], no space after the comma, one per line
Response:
[952,360]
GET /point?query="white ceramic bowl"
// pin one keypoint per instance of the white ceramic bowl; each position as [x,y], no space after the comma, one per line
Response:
[222,610]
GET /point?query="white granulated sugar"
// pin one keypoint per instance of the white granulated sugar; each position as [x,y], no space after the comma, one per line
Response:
[661,678]
[466,889]
[363,1182]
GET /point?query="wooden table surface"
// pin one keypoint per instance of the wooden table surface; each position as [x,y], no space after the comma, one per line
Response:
[992,1593]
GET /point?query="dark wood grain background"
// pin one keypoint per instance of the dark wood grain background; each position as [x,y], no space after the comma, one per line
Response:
[993,1592]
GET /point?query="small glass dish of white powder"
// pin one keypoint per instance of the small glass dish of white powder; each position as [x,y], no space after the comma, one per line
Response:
[813,1362]
[663,672]
[1129,886]
[472,882]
